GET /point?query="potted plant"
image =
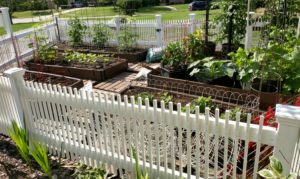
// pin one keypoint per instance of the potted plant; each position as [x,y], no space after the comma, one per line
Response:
[174,61]
[233,23]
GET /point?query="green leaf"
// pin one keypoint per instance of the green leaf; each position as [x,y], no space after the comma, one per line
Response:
[292,176]
[267,173]
[275,164]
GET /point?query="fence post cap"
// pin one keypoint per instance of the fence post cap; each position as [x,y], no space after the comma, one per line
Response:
[14,72]
[4,8]
[288,115]
[192,14]
[157,15]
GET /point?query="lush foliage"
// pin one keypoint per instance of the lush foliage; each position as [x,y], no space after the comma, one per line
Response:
[174,55]
[144,96]
[275,171]
[193,44]
[129,7]
[101,34]
[39,153]
[202,102]
[85,58]
[166,97]
[237,10]
[47,54]
[76,31]
[19,136]
[209,68]
[83,171]
[127,39]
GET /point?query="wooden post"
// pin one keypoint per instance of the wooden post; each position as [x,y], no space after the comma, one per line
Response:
[159,33]
[192,22]
[288,135]
[15,76]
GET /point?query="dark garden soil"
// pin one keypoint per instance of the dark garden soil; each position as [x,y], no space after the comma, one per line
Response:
[12,166]
[52,79]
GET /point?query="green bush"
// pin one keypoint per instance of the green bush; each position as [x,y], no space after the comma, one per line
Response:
[174,56]
[76,31]
[129,7]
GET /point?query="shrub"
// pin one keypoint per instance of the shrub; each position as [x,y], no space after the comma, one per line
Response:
[193,45]
[129,7]
[101,34]
[76,31]
[127,39]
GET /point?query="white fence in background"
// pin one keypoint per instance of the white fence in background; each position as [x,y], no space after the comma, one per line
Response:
[101,128]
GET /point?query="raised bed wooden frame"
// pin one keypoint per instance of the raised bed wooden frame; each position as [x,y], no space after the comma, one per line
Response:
[82,73]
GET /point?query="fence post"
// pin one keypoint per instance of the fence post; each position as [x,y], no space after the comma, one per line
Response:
[248,38]
[118,23]
[288,135]
[9,31]
[192,22]
[15,76]
[159,33]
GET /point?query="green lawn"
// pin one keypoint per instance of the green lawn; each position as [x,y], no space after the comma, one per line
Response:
[18,27]
[108,12]
[29,14]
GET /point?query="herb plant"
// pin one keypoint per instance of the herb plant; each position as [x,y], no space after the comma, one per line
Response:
[19,136]
[202,102]
[193,45]
[101,34]
[127,39]
[275,171]
[166,97]
[39,153]
[76,31]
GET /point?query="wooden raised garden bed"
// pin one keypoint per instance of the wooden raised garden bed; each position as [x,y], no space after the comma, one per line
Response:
[135,56]
[88,72]
[53,79]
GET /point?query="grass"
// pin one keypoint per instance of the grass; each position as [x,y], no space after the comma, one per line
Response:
[108,12]
[18,27]
[30,14]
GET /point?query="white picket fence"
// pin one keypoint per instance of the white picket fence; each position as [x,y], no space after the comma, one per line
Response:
[101,128]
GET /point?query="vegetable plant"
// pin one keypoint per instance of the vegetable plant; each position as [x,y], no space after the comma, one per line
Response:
[101,34]
[144,96]
[127,39]
[202,102]
[39,153]
[85,58]
[19,136]
[193,45]
[275,171]
[174,56]
[237,11]
[209,68]
[76,31]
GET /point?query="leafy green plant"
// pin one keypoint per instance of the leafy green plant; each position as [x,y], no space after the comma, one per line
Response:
[83,171]
[234,111]
[202,102]
[76,31]
[275,171]
[39,153]
[19,136]
[127,39]
[174,56]
[144,96]
[84,58]
[166,97]
[237,10]
[209,68]
[101,34]
[47,54]
[193,45]
[139,174]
